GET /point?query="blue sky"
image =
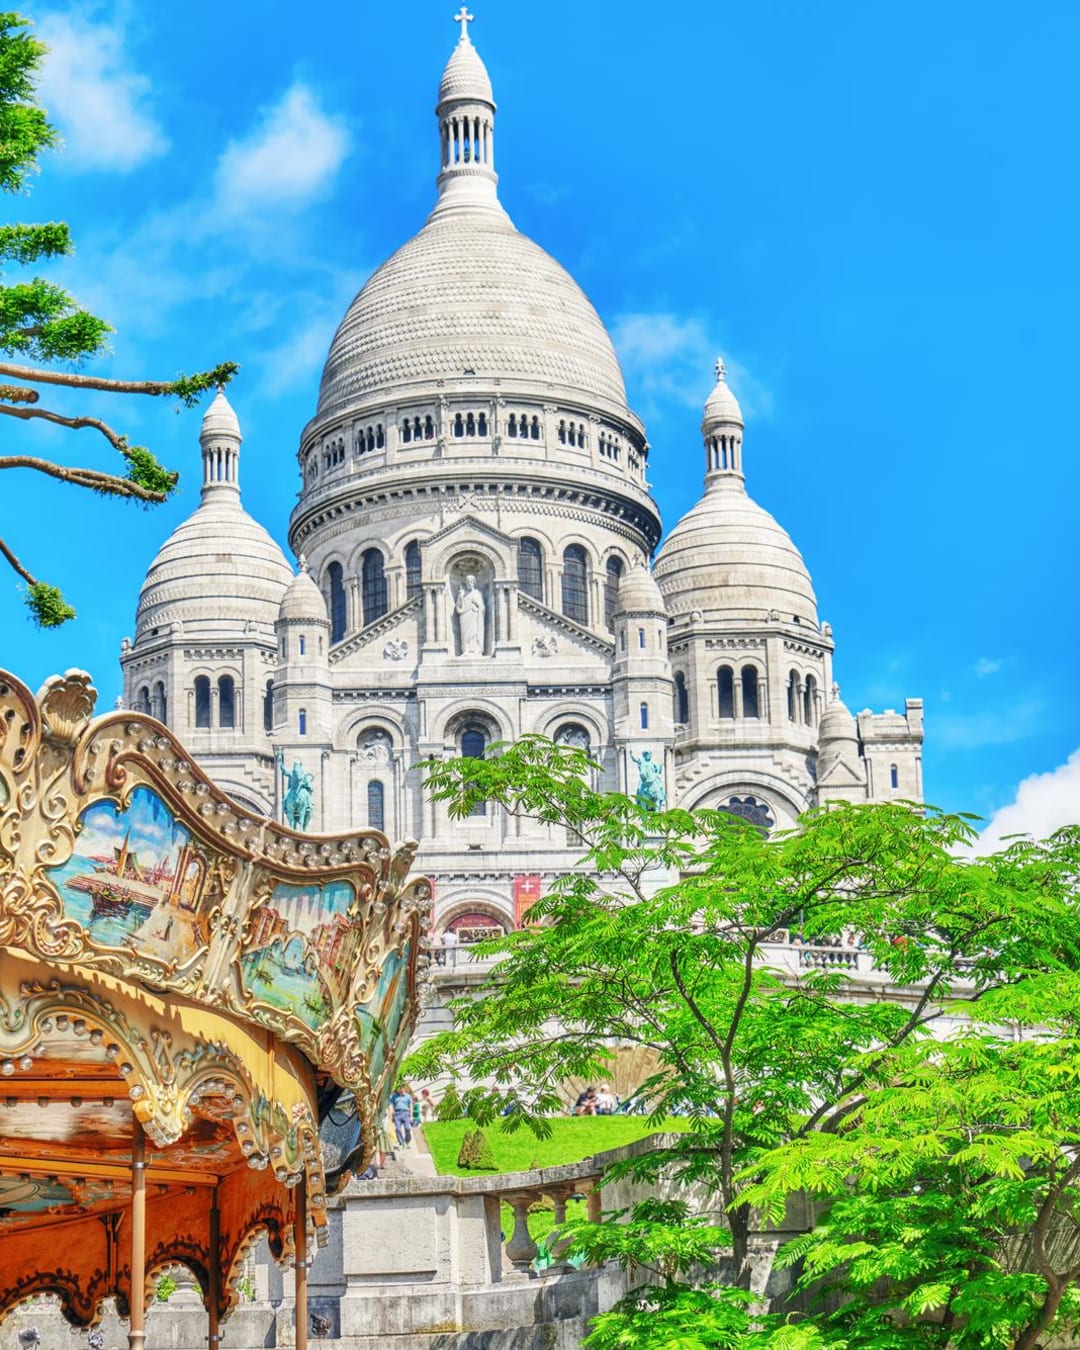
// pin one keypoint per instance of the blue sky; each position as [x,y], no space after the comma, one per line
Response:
[870,210]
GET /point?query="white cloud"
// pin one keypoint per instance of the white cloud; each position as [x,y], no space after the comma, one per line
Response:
[287,161]
[100,105]
[668,358]
[987,665]
[1043,803]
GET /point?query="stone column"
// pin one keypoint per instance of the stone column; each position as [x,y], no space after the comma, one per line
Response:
[521,1249]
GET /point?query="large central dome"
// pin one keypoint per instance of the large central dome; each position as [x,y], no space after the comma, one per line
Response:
[470,297]
[470,294]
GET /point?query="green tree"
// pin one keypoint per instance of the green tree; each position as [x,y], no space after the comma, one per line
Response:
[41,323]
[665,937]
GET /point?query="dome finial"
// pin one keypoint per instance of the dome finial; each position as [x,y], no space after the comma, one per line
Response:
[464,18]
[721,369]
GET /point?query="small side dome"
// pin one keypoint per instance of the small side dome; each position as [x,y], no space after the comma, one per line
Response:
[465,77]
[639,593]
[730,559]
[837,726]
[220,420]
[303,602]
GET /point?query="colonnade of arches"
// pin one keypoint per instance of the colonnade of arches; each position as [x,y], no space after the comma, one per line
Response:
[741,693]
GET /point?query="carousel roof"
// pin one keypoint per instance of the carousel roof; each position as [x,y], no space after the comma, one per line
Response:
[186,989]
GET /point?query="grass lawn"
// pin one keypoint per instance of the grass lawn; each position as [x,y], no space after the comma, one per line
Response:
[572,1139]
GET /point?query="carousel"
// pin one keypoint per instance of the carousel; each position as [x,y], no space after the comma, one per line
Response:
[186,990]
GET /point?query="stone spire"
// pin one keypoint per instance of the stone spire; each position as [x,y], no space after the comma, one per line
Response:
[466,112]
[722,428]
[220,440]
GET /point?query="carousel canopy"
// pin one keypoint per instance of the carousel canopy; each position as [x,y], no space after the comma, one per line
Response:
[185,988]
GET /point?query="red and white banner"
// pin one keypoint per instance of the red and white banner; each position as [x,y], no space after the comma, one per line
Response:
[526,893]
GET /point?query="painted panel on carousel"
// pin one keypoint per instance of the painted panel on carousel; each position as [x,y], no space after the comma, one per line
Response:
[299,945]
[136,878]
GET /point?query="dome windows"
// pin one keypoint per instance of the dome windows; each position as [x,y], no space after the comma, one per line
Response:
[531,568]
[725,682]
[613,572]
[374,593]
[202,702]
[227,702]
[413,570]
[609,447]
[523,427]
[335,584]
[334,454]
[370,438]
[575,584]
[571,433]
[751,692]
[469,425]
[417,429]
[681,709]
[803,699]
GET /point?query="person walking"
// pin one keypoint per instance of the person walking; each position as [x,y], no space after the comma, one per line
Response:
[450,946]
[401,1103]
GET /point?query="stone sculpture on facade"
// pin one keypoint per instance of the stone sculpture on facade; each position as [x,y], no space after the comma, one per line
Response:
[650,793]
[470,609]
[299,794]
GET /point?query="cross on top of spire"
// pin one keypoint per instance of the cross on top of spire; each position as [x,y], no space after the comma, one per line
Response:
[464,18]
[721,369]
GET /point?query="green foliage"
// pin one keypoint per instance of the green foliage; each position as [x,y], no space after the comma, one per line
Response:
[475,1153]
[165,1288]
[144,469]
[934,1160]
[47,605]
[41,322]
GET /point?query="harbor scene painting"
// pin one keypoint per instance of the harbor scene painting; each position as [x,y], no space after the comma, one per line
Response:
[299,940]
[135,879]
[381,1019]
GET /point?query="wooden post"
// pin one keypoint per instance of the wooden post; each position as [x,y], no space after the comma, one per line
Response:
[213,1293]
[137,1332]
[300,1244]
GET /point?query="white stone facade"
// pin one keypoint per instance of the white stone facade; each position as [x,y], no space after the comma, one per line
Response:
[474,529]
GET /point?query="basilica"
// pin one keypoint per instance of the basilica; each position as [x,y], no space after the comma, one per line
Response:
[473,538]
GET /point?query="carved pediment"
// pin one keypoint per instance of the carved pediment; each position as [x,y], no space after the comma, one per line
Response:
[563,628]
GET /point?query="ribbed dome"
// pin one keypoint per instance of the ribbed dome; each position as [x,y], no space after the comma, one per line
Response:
[303,601]
[469,293]
[639,593]
[465,76]
[730,559]
[722,405]
[217,571]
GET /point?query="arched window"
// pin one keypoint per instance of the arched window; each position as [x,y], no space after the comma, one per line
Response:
[459,425]
[373,585]
[376,802]
[725,683]
[894,776]
[406,432]
[473,744]
[413,584]
[202,701]
[336,578]
[531,568]
[301,722]
[644,710]
[268,706]
[159,703]
[612,576]
[641,639]
[810,701]
[536,428]
[575,584]
[226,689]
[751,694]
[682,700]
[142,700]
[429,428]
[793,696]
[301,643]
